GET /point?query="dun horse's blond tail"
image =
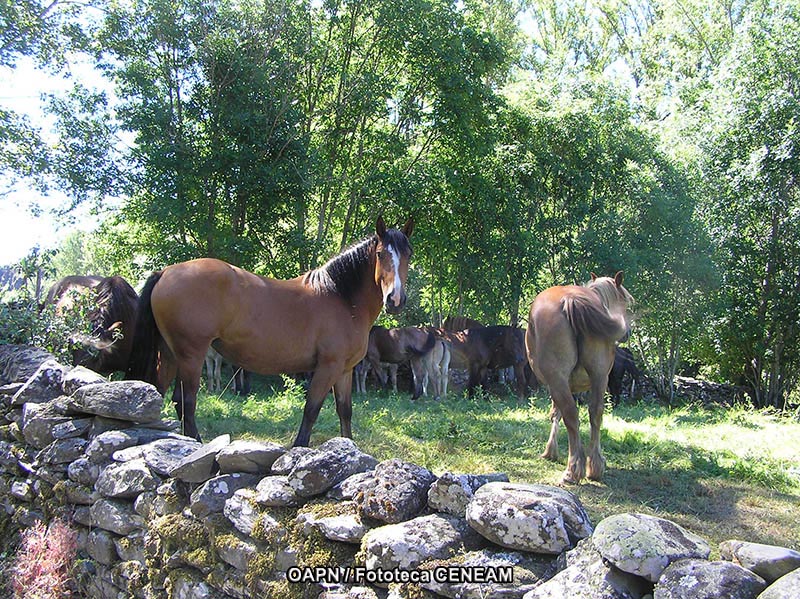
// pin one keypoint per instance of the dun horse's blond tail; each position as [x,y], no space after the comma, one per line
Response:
[588,317]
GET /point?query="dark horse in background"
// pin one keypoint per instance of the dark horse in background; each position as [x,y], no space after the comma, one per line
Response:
[397,346]
[318,322]
[571,340]
[479,349]
[624,371]
[112,318]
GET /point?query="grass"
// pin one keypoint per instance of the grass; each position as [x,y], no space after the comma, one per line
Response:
[723,474]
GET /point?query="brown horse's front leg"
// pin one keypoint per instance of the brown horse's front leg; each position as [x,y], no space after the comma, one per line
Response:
[342,391]
[321,383]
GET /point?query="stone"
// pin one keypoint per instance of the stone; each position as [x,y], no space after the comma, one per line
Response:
[171,497]
[351,486]
[275,491]
[211,496]
[645,545]
[770,562]
[82,515]
[235,550]
[22,491]
[786,587]
[18,363]
[451,493]
[62,451]
[285,463]
[105,444]
[38,422]
[100,546]
[74,427]
[701,579]
[586,575]
[83,471]
[43,385]
[126,480]
[407,544]
[76,493]
[164,455]
[200,465]
[253,457]
[526,572]
[80,376]
[347,528]
[131,547]
[240,509]
[535,518]
[331,463]
[399,493]
[134,401]
[116,516]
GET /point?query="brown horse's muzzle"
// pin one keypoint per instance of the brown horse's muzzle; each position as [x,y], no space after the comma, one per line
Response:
[393,307]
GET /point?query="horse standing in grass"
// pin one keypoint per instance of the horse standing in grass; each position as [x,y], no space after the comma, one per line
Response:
[570,342]
[317,322]
[397,346]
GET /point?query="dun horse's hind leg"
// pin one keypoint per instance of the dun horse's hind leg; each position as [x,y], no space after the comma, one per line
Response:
[564,403]
[551,449]
[596,463]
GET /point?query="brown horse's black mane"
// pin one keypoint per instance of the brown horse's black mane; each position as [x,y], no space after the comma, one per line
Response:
[344,274]
[116,301]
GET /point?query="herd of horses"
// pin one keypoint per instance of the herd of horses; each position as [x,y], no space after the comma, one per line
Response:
[322,322]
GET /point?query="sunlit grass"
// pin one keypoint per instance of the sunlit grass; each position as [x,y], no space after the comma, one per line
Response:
[722,473]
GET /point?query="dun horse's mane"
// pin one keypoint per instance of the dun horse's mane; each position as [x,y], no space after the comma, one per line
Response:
[584,314]
[608,291]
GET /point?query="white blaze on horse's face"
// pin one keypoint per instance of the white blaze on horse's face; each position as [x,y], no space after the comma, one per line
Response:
[391,278]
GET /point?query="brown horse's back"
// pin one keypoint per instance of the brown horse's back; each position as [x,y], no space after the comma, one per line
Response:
[236,311]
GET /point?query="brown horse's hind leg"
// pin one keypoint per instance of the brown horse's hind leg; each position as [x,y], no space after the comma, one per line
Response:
[343,392]
[551,449]
[185,394]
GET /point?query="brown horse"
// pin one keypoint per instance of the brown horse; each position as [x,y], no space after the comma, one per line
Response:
[112,318]
[570,341]
[399,345]
[317,322]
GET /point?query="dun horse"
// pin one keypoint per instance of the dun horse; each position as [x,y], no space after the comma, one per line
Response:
[319,321]
[570,341]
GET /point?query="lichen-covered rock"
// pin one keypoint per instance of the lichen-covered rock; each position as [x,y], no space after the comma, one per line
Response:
[133,401]
[131,547]
[78,377]
[768,561]
[285,463]
[408,544]
[200,465]
[331,463]
[351,486]
[701,579]
[253,457]
[489,569]
[105,444]
[39,421]
[275,491]
[451,493]
[535,518]
[170,498]
[585,575]
[116,516]
[164,455]
[74,427]
[19,362]
[62,451]
[235,550]
[786,587]
[645,545]
[126,480]
[100,546]
[211,496]
[83,471]
[43,385]
[399,492]
[241,510]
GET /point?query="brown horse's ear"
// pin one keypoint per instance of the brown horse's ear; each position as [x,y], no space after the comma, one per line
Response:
[408,228]
[380,227]
[618,278]
[594,276]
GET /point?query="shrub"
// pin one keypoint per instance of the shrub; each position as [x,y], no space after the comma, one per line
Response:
[44,562]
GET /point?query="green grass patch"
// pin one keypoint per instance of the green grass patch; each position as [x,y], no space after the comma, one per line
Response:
[723,473]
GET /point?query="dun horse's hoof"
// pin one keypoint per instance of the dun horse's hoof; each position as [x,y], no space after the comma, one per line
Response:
[550,455]
[568,479]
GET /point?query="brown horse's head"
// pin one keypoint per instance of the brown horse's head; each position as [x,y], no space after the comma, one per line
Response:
[391,263]
[615,298]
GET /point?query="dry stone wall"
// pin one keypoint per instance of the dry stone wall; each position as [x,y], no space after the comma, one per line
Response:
[161,515]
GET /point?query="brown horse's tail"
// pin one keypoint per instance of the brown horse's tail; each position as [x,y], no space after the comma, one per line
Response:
[588,317]
[146,339]
[430,342]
